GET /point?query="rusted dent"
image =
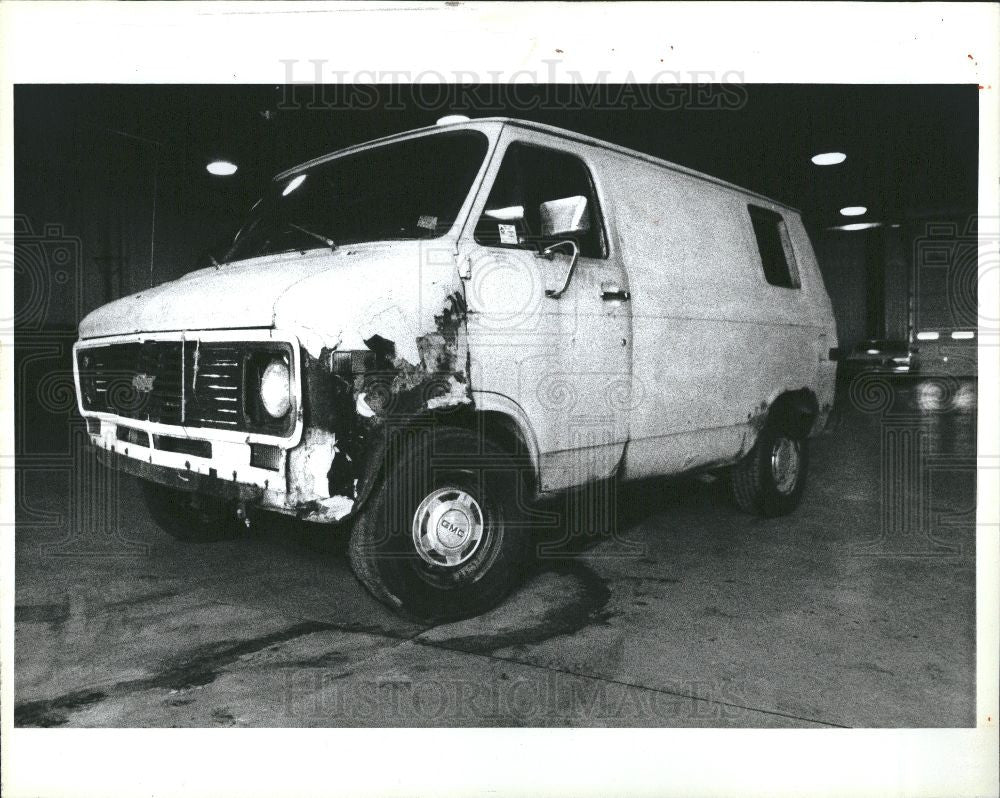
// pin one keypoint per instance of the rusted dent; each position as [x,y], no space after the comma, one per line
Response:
[400,387]
[757,418]
[326,510]
[457,394]
[345,407]
[743,447]
[309,464]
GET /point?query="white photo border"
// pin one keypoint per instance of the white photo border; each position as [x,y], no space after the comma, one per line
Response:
[250,42]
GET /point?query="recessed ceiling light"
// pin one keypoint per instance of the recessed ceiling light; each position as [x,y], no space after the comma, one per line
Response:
[293,184]
[221,168]
[853,210]
[963,335]
[856,226]
[928,336]
[829,158]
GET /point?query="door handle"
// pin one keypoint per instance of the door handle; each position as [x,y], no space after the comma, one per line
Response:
[612,291]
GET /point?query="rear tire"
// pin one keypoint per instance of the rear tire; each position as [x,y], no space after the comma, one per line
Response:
[187,516]
[770,480]
[441,538]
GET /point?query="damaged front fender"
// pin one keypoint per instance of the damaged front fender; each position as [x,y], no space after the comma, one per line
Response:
[353,396]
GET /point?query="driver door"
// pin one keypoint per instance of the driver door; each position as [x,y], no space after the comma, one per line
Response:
[548,316]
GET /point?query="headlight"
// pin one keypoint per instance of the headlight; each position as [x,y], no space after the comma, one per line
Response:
[275,389]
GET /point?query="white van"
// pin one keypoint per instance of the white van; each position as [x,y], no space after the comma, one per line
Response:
[425,332]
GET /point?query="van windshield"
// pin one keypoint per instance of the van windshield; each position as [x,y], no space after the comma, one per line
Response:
[405,190]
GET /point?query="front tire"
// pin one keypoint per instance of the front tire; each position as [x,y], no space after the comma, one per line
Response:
[440,539]
[770,480]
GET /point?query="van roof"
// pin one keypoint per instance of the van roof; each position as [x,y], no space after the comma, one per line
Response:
[552,131]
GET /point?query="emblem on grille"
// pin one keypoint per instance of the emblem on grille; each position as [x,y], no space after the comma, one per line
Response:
[143,383]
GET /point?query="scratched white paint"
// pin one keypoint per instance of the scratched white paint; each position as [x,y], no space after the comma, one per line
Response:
[713,341]
[334,299]
[388,289]
[309,464]
[331,509]
[234,295]
[457,394]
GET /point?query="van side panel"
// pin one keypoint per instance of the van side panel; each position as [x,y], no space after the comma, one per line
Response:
[713,343]
[564,362]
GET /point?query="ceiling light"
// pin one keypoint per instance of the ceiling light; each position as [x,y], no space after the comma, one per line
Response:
[856,226]
[293,184]
[963,335]
[928,336]
[829,158]
[853,210]
[221,168]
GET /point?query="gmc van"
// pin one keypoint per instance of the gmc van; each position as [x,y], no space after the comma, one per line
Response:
[422,334]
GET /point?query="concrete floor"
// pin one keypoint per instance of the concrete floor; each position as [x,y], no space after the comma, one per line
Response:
[858,610]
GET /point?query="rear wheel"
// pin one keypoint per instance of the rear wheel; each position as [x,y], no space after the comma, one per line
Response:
[188,516]
[439,539]
[770,480]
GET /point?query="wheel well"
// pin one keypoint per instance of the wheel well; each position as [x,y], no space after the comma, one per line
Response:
[499,428]
[502,431]
[797,409]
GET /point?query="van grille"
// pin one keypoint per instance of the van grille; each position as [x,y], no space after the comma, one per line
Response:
[144,381]
[134,380]
[216,396]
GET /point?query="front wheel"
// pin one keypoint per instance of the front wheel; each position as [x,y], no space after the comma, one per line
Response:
[770,480]
[440,539]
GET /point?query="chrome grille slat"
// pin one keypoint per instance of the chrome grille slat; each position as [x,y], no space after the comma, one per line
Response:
[218,388]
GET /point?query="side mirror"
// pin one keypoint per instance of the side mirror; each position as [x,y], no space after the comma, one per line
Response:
[564,217]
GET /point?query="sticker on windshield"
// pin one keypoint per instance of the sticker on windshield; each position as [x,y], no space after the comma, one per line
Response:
[428,222]
[508,233]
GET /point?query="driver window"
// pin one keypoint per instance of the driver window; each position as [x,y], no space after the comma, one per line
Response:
[528,177]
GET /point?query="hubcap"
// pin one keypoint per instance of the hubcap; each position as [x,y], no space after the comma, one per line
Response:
[785,461]
[447,527]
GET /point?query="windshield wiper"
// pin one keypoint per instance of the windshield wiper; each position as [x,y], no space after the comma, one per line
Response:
[328,241]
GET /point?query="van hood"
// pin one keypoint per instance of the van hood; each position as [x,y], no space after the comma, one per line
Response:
[330,298]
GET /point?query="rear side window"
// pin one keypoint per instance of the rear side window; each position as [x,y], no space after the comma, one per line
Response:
[775,246]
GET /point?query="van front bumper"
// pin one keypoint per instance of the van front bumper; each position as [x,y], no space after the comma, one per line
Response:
[186,480]
[227,475]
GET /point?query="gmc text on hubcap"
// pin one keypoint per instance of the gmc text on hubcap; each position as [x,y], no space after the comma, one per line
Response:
[447,527]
